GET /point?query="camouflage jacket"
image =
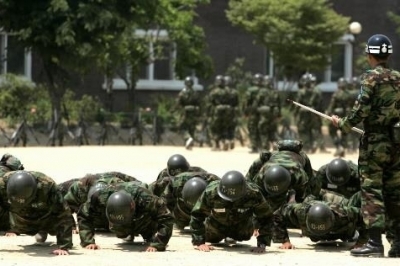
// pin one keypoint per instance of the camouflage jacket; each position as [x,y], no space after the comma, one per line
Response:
[148,209]
[48,204]
[77,192]
[347,215]
[173,192]
[250,104]
[256,166]
[302,179]
[348,189]
[231,214]
[377,103]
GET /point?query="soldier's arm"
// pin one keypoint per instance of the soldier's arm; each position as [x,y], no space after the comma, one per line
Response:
[123,177]
[199,213]
[76,195]
[165,222]
[361,109]
[263,216]
[63,218]
[86,227]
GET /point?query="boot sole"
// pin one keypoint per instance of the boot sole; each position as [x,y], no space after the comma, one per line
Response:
[374,255]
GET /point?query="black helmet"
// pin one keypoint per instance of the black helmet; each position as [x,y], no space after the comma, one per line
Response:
[338,172]
[120,208]
[227,80]
[95,188]
[192,190]
[232,186]
[189,81]
[355,82]
[276,180]
[305,80]
[379,45]
[320,219]
[220,81]
[258,79]
[12,162]
[267,81]
[342,83]
[177,164]
[21,187]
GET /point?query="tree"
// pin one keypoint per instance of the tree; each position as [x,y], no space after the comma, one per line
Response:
[298,33]
[69,35]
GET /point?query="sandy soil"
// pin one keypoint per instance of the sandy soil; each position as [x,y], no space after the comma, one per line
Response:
[144,163]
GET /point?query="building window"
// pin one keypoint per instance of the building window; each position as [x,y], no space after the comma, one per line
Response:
[14,58]
[159,74]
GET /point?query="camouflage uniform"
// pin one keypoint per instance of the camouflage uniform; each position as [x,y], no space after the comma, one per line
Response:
[189,102]
[253,118]
[8,163]
[152,219]
[352,185]
[48,212]
[339,105]
[347,215]
[269,111]
[223,109]
[233,119]
[163,179]
[299,166]
[213,218]
[378,163]
[76,194]
[173,195]
[309,124]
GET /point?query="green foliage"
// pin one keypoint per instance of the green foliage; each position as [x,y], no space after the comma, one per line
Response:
[17,96]
[299,33]
[165,106]
[86,108]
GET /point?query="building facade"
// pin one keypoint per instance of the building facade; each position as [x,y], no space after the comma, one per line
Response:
[225,44]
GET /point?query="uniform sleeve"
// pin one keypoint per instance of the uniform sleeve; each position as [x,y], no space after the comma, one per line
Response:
[86,227]
[165,223]
[76,195]
[264,217]
[282,217]
[199,213]
[64,222]
[361,108]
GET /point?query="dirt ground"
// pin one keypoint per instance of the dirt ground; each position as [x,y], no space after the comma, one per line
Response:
[144,162]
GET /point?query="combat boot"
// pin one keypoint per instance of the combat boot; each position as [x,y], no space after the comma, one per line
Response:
[373,248]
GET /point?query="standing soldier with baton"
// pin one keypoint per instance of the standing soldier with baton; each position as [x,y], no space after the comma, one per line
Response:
[378,108]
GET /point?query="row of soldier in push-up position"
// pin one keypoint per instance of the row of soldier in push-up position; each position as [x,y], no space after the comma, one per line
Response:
[280,191]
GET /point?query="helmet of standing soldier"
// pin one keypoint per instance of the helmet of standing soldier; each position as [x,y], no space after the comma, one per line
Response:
[227,80]
[189,81]
[21,187]
[355,82]
[258,79]
[320,219]
[267,81]
[313,80]
[219,81]
[177,164]
[379,45]
[232,186]
[120,208]
[277,180]
[192,190]
[342,83]
[12,162]
[305,80]
[338,172]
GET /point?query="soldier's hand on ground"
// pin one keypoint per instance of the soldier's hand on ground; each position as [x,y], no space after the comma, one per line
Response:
[10,234]
[92,246]
[204,247]
[258,250]
[287,245]
[60,252]
[151,249]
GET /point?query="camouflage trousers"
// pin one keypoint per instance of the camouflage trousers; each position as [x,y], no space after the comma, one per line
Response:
[252,127]
[268,130]
[59,226]
[215,231]
[379,170]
